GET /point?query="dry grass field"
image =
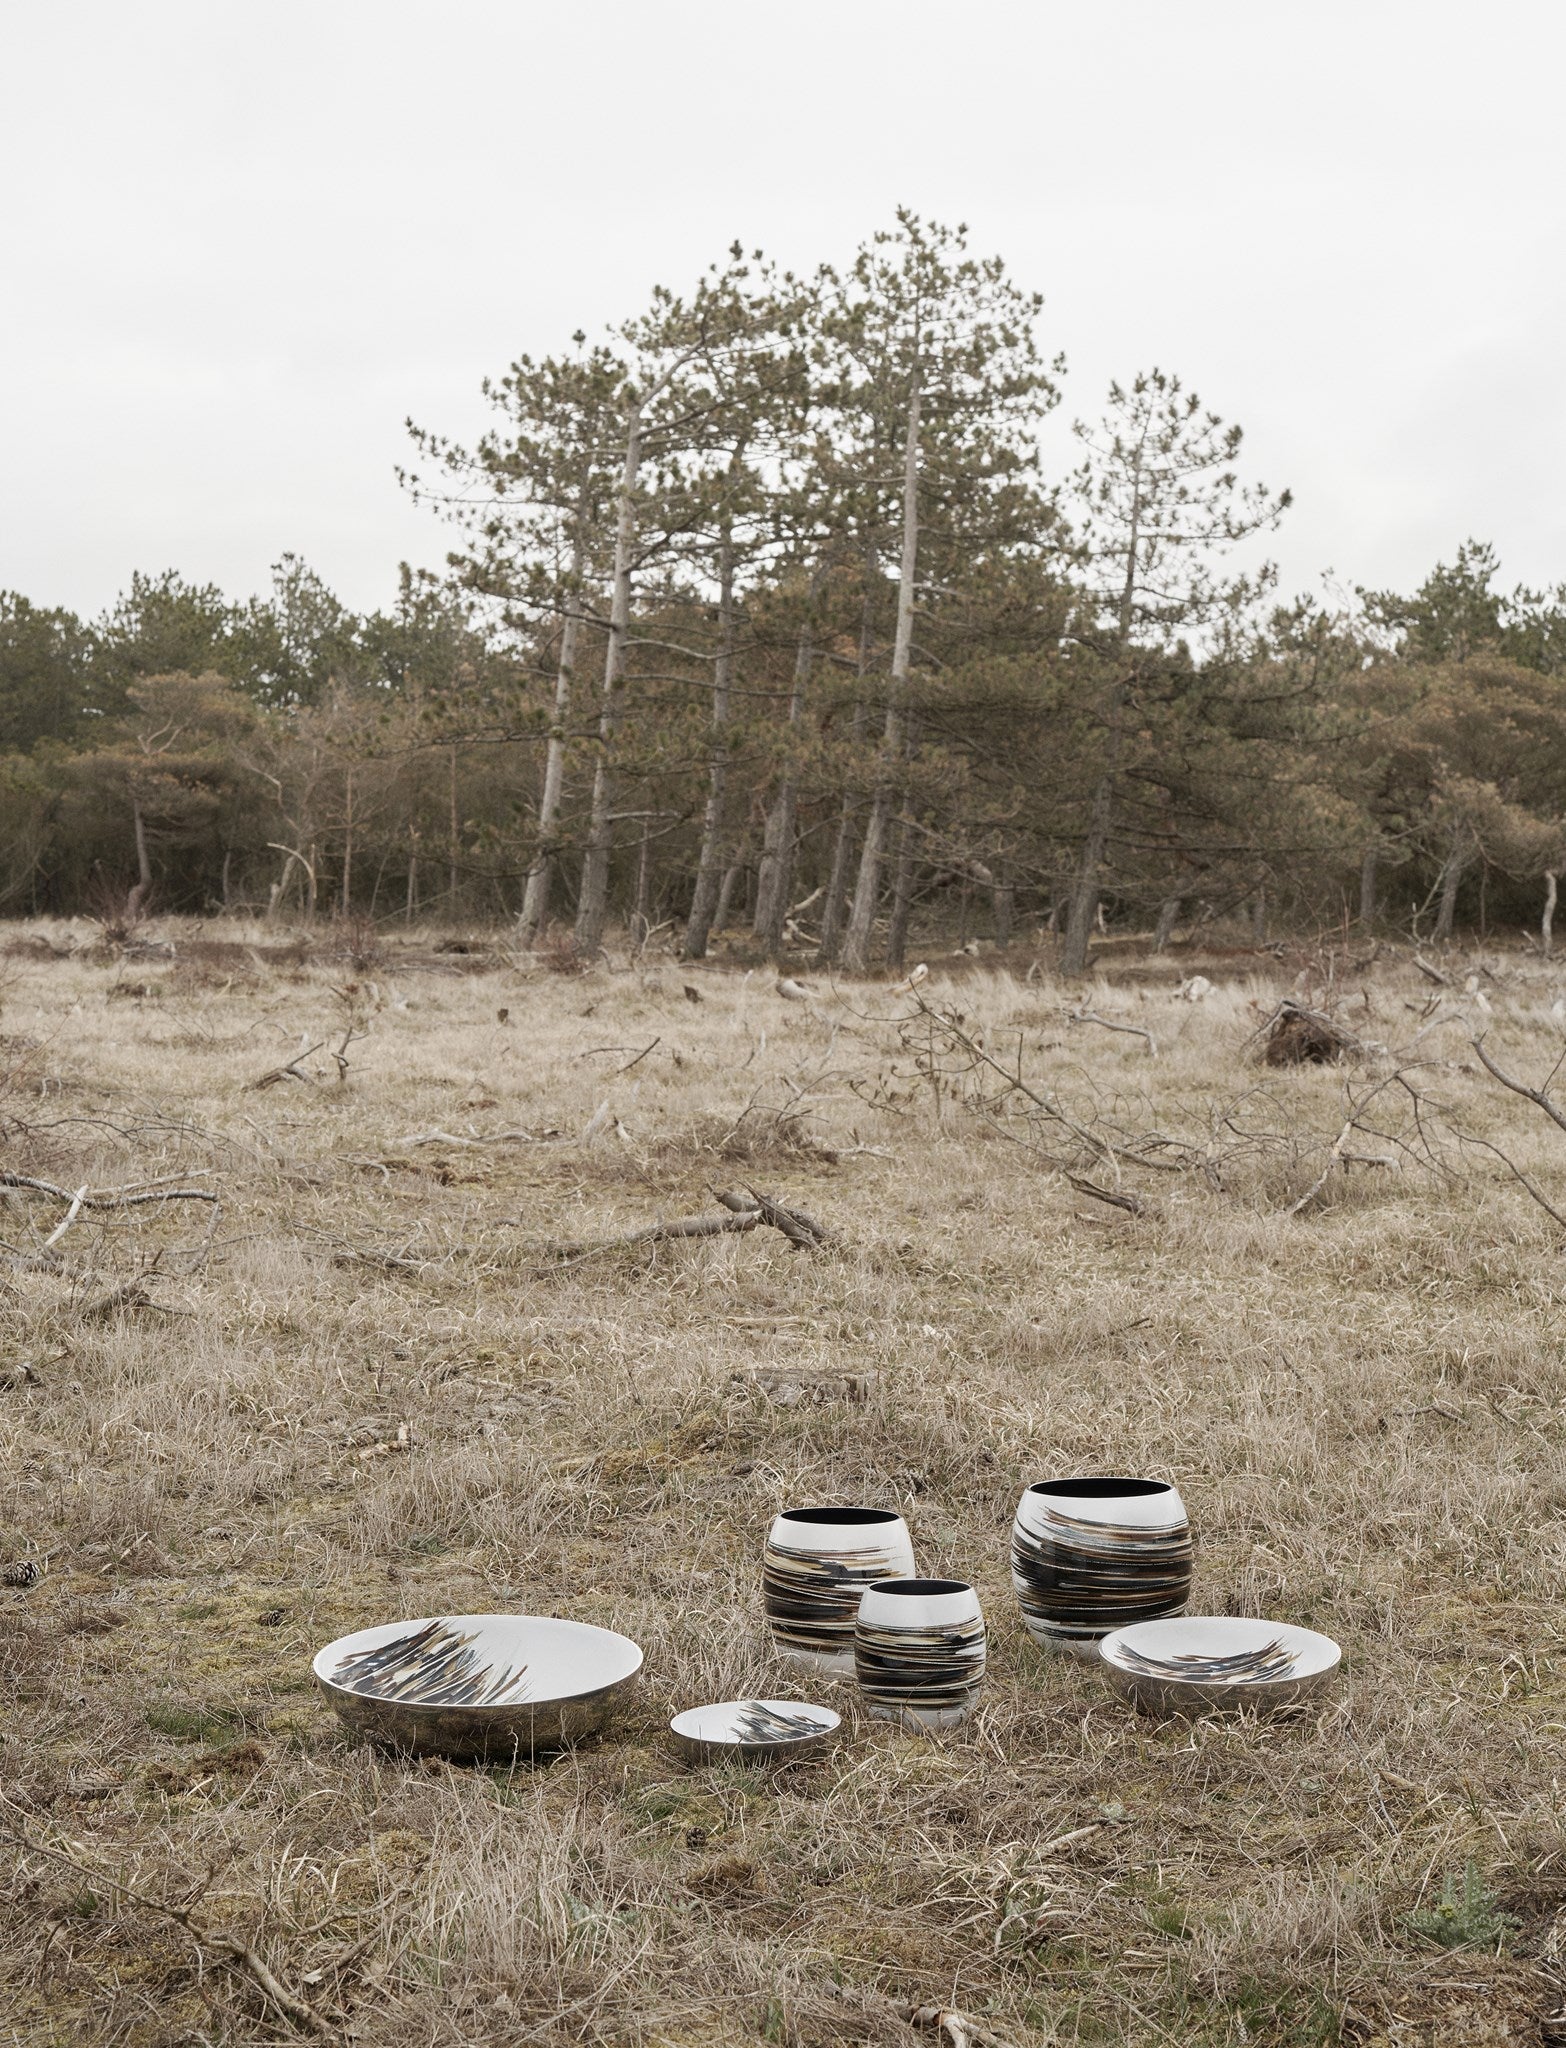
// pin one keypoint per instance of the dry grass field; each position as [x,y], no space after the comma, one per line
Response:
[366,1386]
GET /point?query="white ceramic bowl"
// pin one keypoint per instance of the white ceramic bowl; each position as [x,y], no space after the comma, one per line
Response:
[1091,1555]
[1196,1664]
[919,1650]
[495,1686]
[754,1728]
[817,1563]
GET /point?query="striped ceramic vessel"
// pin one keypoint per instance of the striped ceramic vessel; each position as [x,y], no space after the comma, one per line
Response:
[817,1563]
[1091,1555]
[919,1650]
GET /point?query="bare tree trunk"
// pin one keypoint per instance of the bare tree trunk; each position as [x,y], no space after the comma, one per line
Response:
[902,896]
[1259,918]
[143,885]
[709,868]
[540,874]
[843,844]
[1003,901]
[411,900]
[641,917]
[1451,879]
[451,844]
[228,855]
[775,875]
[1369,861]
[347,888]
[720,916]
[1168,915]
[593,901]
[861,921]
[1082,911]
[1547,922]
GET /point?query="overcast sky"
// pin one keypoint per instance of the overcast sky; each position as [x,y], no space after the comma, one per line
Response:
[242,243]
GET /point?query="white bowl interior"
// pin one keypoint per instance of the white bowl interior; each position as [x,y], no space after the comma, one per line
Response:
[756,1724]
[1169,1642]
[518,1659]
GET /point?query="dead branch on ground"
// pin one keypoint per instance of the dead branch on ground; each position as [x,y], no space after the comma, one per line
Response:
[738,1217]
[295,1070]
[1109,1024]
[112,1198]
[213,1942]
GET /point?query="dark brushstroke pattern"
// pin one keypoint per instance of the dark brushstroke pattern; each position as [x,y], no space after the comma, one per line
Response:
[1078,1577]
[929,1668]
[754,1721]
[1264,1665]
[435,1666]
[812,1597]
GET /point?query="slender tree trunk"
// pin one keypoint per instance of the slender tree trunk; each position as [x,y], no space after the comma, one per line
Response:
[832,909]
[1451,880]
[1259,918]
[867,889]
[902,896]
[138,895]
[411,900]
[1003,902]
[775,875]
[1547,921]
[1369,861]
[641,918]
[1082,911]
[709,867]
[592,908]
[1168,914]
[451,827]
[347,888]
[228,856]
[720,916]
[540,874]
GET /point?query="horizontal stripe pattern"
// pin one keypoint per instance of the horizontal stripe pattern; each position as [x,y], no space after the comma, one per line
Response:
[812,1596]
[1078,1577]
[931,1669]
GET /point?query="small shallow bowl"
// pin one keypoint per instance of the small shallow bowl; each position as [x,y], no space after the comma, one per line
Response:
[754,1728]
[490,1686]
[1202,1663]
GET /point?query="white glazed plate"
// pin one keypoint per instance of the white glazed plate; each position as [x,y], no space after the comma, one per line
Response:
[754,1728]
[477,1685]
[1194,1664]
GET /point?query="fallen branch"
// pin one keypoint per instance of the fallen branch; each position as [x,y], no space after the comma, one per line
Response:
[802,1231]
[654,1233]
[1117,1198]
[1432,973]
[1109,1024]
[450,1138]
[228,1946]
[112,1198]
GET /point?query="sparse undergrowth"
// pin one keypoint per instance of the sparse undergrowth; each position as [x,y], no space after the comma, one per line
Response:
[368,1391]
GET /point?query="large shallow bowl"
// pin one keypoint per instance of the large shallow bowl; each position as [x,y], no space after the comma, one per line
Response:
[493,1686]
[1198,1664]
[752,1729]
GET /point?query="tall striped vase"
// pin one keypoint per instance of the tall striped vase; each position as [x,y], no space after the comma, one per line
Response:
[1091,1555]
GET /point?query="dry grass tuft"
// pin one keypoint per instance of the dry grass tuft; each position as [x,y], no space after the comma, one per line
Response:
[367,1392]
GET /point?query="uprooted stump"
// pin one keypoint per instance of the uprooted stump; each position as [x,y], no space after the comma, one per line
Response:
[1298,1036]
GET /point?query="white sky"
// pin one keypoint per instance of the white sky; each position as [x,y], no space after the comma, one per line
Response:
[242,242]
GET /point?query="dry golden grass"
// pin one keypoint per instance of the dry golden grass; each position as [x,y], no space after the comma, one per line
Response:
[1363,1405]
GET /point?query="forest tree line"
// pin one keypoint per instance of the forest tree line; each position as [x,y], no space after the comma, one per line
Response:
[763,617]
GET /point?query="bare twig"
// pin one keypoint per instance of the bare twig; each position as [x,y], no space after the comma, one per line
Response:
[1537,1096]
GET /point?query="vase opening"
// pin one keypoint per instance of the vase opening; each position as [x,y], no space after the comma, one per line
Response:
[1101,1489]
[920,1589]
[853,1518]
